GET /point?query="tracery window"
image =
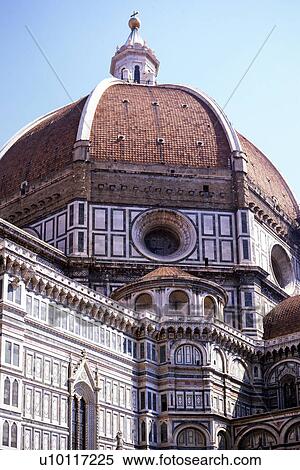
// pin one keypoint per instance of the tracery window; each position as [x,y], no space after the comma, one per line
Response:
[79,425]
[257,439]
[15,393]
[188,355]
[164,432]
[143,431]
[190,438]
[14,435]
[5,434]
[6,398]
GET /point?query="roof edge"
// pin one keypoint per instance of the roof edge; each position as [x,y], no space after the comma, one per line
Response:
[10,142]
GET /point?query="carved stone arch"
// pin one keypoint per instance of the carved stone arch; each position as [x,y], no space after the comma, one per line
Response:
[232,369]
[195,426]
[221,354]
[289,427]
[196,333]
[223,439]
[195,344]
[270,434]
[273,368]
[83,387]
[162,333]
[180,332]
[171,332]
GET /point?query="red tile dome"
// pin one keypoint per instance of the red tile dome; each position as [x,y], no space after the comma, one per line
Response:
[169,125]
[284,319]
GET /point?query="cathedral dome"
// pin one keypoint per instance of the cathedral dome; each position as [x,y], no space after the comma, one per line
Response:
[284,319]
[170,125]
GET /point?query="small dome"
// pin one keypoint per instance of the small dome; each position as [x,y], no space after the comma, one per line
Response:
[168,272]
[284,319]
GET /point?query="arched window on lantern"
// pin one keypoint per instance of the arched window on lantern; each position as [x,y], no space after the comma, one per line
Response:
[6,398]
[122,73]
[179,303]
[209,307]
[289,394]
[143,302]
[137,74]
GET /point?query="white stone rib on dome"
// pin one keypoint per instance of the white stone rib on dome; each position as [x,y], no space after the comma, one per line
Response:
[89,109]
[88,112]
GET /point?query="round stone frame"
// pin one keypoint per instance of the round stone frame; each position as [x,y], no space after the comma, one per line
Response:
[172,220]
[279,255]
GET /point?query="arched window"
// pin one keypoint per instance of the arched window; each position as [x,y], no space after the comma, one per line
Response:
[15,393]
[289,392]
[74,422]
[7,391]
[137,74]
[209,307]
[10,292]
[79,417]
[188,355]
[143,431]
[82,424]
[5,434]
[293,434]
[164,432]
[122,73]
[143,302]
[190,438]
[14,436]
[179,302]
[218,360]
[257,439]
[222,441]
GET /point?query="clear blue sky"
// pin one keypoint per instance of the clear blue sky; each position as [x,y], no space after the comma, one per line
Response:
[208,44]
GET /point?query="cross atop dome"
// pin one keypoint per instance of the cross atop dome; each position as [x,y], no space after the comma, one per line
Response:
[135,62]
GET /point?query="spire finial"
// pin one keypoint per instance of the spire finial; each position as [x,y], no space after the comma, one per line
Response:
[134,23]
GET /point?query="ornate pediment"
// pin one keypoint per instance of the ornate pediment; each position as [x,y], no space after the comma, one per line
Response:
[82,372]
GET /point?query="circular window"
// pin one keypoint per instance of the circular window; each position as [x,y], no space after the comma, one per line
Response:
[164,235]
[282,267]
[162,242]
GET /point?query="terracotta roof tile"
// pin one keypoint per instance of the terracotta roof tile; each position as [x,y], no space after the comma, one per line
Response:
[166,272]
[266,176]
[144,114]
[284,319]
[43,150]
